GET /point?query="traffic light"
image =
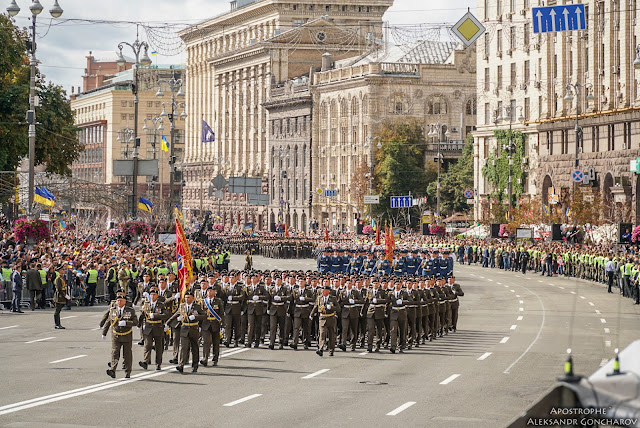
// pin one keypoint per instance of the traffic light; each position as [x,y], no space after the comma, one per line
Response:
[310,198]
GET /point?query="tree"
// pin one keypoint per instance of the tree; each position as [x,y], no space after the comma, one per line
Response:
[400,164]
[455,181]
[56,141]
[360,186]
[497,167]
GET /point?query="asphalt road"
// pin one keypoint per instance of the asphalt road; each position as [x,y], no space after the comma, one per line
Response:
[511,344]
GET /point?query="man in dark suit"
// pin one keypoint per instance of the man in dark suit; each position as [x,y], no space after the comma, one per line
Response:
[34,284]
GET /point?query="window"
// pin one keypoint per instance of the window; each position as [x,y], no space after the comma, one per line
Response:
[131,117]
[512,38]
[499,41]
[499,7]
[487,114]
[487,44]
[130,103]
[513,74]
[527,32]
[595,137]
[555,66]
[471,108]
[149,104]
[123,116]
[124,103]
[499,81]
[487,79]
[512,6]
[527,108]
[526,72]
[486,10]
[327,8]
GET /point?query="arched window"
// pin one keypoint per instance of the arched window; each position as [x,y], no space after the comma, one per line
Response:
[344,108]
[365,105]
[471,107]
[354,106]
[437,104]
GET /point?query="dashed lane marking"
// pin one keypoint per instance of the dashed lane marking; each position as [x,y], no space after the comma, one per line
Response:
[560,287]
[8,327]
[314,374]
[520,318]
[70,316]
[484,356]
[591,304]
[67,359]
[504,339]
[597,312]
[603,321]
[402,408]
[521,309]
[607,343]
[513,327]
[242,400]
[521,301]
[40,340]
[582,297]
[606,330]
[449,379]
[603,362]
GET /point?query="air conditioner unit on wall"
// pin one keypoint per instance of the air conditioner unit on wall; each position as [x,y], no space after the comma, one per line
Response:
[523,12]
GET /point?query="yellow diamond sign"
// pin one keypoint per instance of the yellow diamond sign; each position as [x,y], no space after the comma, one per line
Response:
[468,29]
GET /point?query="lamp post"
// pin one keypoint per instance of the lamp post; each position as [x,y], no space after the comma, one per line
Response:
[435,130]
[510,146]
[577,88]
[145,61]
[175,86]
[369,144]
[56,12]
[156,125]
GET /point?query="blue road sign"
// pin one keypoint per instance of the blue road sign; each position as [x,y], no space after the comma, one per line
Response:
[577,176]
[569,17]
[330,193]
[401,201]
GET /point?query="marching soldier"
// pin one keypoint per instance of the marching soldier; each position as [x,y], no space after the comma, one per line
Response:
[431,296]
[414,314]
[211,325]
[189,315]
[153,316]
[456,292]
[301,303]
[233,310]
[256,298]
[121,320]
[350,298]
[326,306]
[442,306]
[279,297]
[398,301]
[375,310]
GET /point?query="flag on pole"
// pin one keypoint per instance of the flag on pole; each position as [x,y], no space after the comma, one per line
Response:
[165,144]
[286,230]
[208,136]
[145,204]
[154,53]
[183,258]
[44,197]
[377,236]
[63,225]
[546,210]
[326,232]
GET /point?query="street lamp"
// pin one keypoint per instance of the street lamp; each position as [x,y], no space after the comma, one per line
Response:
[56,12]
[577,88]
[175,86]
[155,125]
[435,131]
[145,61]
[510,147]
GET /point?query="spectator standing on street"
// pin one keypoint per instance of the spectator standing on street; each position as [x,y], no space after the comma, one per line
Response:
[34,285]
[60,295]
[16,288]
[609,269]
[248,261]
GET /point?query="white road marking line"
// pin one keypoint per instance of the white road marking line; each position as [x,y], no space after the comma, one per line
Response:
[520,318]
[606,330]
[603,362]
[560,287]
[573,292]
[504,339]
[591,304]
[242,400]
[597,312]
[40,340]
[11,326]
[527,277]
[314,374]
[235,351]
[607,343]
[517,295]
[506,286]
[521,309]
[539,281]
[472,274]
[70,316]
[402,408]
[513,327]
[582,297]
[363,353]
[449,379]
[513,291]
[603,321]
[97,328]
[521,302]
[499,283]
[490,280]
[484,356]
[66,359]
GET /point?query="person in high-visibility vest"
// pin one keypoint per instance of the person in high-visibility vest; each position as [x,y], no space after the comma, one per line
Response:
[6,282]
[92,283]
[627,278]
[112,281]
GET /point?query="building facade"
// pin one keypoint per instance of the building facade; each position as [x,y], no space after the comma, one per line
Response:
[232,60]
[560,82]
[432,82]
[105,116]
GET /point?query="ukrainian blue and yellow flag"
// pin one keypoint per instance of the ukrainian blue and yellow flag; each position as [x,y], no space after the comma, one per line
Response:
[44,196]
[145,204]
[165,144]
[63,225]
[545,209]
[569,213]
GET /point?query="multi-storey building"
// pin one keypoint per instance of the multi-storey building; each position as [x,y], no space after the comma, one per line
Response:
[561,82]
[433,82]
[104,113]
[232,60]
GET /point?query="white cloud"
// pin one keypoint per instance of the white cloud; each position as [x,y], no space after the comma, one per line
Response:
[65,45]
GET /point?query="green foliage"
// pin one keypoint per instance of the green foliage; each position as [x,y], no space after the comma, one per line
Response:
[400,165]
[455,181]
[56,141]
[498,174]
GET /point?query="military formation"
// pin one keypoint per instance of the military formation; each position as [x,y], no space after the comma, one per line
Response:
[274,247]
[278,309]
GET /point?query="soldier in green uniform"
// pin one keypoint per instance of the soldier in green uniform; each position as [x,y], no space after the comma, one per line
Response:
[121,320]
[211,326]
[326,306]
[189,315]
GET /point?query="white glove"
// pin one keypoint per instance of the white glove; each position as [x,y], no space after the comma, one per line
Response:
[152,316]
[399,301]
[310,317]
[302,298]
[104,337]
[277,298]
[180,318]
[192,317]
[177,296]
[375,300]
[328,306]
[146,295]
[351,301]
[255,298]
[230,298]
[122,323]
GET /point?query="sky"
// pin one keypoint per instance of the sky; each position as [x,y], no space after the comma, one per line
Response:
[63,44]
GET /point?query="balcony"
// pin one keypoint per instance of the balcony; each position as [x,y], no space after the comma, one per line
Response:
[451,149]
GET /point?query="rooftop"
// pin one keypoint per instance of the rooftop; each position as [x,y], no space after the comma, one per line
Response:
[418,52]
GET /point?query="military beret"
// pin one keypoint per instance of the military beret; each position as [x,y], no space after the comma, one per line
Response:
[153,290]
[121,296]
[210,288]
[120,291]
[326,287]
[212,275]
[188,293]
[203,280]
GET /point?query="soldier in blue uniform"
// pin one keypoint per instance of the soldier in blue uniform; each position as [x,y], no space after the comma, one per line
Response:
[449,259]
[324,261]
[355,266]
[412,263]
[368,264]
[383,267]
[336,261]
[347,255]
[398,264]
